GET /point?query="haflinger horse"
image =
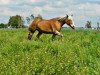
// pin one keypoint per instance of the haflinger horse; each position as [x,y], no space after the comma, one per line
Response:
[51,26]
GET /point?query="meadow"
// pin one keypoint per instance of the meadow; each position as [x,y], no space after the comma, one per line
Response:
[77,54]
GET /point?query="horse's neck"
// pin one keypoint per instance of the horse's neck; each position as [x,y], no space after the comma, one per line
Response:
[62,23]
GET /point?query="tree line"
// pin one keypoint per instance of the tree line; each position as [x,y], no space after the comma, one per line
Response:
[89,25]
[18,21]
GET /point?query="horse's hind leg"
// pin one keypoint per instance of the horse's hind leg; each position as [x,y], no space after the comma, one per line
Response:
[38,35]
[30,34]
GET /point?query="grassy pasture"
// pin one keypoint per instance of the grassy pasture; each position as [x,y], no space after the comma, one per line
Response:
[77,54]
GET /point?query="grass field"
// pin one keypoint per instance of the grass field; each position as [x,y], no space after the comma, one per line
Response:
[77,54]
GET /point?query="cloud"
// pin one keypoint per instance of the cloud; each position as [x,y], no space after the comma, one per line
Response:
[81,9]
[34,0]
[87,11]
[3,2]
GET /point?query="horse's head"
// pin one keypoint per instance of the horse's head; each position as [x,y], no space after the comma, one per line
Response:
[69,21]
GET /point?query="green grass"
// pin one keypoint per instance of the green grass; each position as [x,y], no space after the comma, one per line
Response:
[77,54]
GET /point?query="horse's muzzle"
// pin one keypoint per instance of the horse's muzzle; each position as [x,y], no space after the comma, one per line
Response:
[73,27]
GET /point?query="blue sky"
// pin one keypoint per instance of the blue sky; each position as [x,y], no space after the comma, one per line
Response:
[82,10]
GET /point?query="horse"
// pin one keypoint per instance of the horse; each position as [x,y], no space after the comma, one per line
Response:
[51,26]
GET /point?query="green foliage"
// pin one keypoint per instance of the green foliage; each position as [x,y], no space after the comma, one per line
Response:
[88,24]
[31,17]
[98,27]
[77,54]
[2,25]
[16,21]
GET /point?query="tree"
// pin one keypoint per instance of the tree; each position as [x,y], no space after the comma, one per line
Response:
[98,27]
[2,25]
[39,16]
[31,17]
[16,21]
[20,22]
[88,24]
[28,20]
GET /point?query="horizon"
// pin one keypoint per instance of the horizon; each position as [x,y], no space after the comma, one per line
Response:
[82,11]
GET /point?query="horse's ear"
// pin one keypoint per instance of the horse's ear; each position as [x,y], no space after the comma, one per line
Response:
[66,16]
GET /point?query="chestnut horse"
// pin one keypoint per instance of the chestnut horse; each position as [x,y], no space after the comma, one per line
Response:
[51,26]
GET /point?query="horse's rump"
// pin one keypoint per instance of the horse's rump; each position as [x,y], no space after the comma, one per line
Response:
[34,23]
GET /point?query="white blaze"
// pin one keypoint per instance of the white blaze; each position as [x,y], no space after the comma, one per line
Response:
[70,17]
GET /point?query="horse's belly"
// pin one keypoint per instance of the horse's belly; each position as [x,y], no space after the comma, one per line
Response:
[45,30]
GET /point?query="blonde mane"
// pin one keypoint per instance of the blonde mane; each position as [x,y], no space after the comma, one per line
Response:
[60,18]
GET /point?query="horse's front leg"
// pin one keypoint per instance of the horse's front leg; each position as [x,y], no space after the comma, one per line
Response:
[59,34]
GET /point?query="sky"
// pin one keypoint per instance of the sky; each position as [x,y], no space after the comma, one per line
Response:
[82,10]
